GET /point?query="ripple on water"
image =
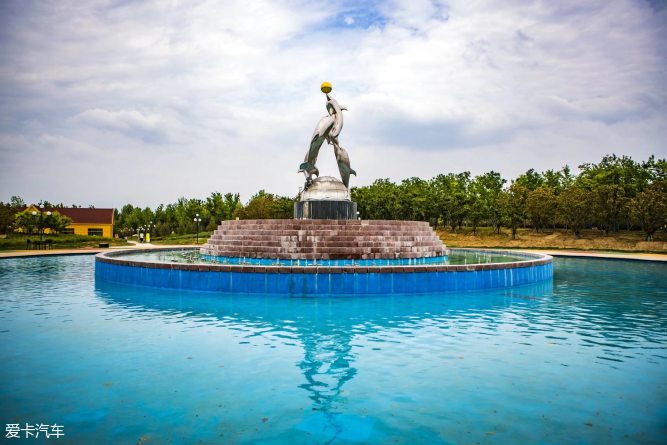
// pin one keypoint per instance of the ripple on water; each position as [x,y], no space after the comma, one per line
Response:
[581,361]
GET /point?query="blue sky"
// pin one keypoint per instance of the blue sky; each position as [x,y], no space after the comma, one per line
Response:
[109,102]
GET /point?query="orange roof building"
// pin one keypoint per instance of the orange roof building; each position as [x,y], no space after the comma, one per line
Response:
[92,222]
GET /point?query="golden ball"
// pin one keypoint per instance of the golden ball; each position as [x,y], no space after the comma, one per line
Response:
[325,87]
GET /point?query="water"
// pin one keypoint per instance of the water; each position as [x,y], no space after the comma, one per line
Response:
[582,361]
[455,257]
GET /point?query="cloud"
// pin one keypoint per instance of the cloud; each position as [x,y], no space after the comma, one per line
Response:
[193,97]
[148,127]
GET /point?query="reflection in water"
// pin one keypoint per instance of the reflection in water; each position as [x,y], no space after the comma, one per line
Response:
[326,327]
[586,357]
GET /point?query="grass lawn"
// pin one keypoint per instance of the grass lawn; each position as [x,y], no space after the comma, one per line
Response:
[19,242]
[555,239]
[188,238]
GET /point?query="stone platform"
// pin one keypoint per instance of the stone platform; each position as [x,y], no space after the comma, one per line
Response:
[325,210]
[324,239]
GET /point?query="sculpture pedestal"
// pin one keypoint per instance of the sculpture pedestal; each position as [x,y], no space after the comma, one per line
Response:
[325,210]
[325,198]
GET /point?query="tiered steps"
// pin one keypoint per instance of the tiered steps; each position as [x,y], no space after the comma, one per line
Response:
[324,239]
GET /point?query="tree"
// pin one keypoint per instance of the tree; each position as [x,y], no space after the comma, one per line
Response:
[282,208]
[477,207]
[541,207]
[450,196]
[649,209]
[264,205]
[6,217]
[16,202]
[574,205]
[532,180]
[221,208]
[512,203]
[490,186]
[609,205]
[380,200]
[558,180]
[415,200]
[56,222]
[26,222]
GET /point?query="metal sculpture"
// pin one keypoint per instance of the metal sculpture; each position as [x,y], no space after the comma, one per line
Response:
[328,128]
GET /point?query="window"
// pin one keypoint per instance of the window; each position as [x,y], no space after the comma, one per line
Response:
[68,231]
[94,232]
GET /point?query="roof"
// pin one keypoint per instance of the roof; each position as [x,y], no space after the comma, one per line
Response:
[85,216]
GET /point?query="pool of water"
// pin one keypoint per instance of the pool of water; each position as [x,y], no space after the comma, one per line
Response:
[456,257]
[580,360]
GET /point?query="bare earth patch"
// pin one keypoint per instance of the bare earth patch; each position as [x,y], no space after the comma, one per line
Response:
[555,239]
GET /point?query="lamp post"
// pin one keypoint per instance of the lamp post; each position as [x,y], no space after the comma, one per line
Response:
[40,226]
[197,219]
[34,213]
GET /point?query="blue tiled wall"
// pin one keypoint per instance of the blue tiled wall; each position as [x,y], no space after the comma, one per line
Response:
[323,284]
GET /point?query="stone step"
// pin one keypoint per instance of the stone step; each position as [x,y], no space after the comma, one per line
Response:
[337,231]
[294,240]
[310,239]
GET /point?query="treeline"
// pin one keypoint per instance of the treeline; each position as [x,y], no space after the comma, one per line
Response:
[616,193]
[181,217]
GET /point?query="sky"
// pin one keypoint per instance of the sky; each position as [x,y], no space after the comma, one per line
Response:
[111,102]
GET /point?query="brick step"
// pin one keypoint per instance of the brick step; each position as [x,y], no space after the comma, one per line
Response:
[310,256]
[309,239]
[326,247]
[307,222]
[259,247]
[322,230]
[350,240]
[323,239]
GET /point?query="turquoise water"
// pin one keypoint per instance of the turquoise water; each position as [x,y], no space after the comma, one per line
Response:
[456,257]
[579,361]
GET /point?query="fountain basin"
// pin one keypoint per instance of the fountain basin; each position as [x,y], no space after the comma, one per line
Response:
[128,267]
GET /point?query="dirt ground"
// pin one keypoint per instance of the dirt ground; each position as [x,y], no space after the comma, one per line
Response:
[558,239]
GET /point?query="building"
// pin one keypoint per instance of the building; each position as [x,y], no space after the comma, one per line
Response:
[92,222]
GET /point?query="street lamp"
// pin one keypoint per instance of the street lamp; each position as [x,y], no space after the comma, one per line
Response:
[40,227]
[197,219]
[34,213]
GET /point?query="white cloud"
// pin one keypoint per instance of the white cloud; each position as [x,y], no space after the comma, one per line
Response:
[196,97]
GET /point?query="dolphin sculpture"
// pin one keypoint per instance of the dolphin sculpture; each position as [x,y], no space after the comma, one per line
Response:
[328,128]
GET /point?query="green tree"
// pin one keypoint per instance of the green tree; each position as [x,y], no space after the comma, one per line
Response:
[26,222]
[56,222]
[574,204]
[380,200]
[450,196]
[282,208]
[477,208]
[649,209]
[512,203]
[532,180]
[6,217]
[490,186]
[541,207]
[265,205]
[558,180]
[16,202]
[221,208]
[415,200]
[609,204]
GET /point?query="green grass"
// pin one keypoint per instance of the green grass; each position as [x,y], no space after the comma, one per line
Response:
[19,242]
[188,238]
